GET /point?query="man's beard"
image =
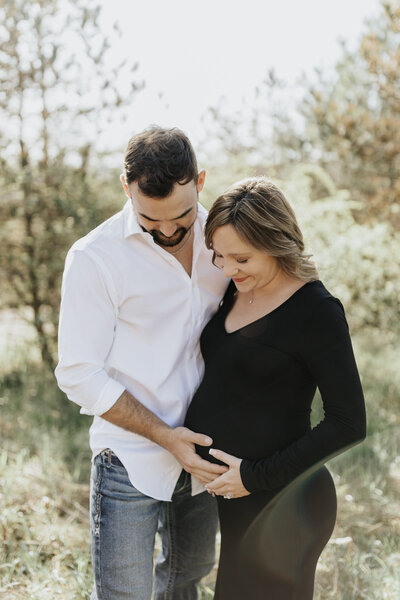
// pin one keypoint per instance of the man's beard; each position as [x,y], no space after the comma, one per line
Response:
[173,240]
[169,242]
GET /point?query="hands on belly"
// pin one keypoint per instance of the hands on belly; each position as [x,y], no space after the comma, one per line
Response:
[229,484]
[181,443]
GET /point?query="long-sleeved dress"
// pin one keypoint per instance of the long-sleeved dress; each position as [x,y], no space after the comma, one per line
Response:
[255,402]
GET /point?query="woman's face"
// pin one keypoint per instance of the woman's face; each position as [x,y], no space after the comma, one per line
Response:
[249,267]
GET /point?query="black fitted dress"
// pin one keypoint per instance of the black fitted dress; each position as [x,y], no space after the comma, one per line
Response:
[255,402]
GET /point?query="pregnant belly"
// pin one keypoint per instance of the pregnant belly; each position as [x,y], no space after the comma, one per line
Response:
[245,431]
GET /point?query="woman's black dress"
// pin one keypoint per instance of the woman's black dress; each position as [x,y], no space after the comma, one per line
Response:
[255,402]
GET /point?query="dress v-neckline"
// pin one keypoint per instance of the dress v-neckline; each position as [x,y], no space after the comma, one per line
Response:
[225,316]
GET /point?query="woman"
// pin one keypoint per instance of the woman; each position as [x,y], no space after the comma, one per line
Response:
[278,335]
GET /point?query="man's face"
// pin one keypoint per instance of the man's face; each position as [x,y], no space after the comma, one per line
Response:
[167,219]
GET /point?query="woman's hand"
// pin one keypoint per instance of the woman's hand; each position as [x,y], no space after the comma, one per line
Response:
[230,483]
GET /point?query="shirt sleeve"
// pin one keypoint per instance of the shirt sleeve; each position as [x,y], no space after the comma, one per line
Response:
[327,352]
[86,333]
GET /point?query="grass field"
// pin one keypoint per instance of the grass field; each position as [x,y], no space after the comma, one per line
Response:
[44,471]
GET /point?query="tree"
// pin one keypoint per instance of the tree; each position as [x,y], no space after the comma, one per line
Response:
[355,261]
[354,120]
[56,88]
[348,122]
[261,132]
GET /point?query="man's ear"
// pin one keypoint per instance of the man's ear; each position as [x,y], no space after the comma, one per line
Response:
[125,186]
[201,179]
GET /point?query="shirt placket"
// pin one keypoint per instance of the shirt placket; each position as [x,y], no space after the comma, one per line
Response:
[196,317]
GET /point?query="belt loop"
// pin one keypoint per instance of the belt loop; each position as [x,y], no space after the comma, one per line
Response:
[109,457]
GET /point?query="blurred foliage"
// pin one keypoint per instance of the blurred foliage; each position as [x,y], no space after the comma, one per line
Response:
[219,176]
[347,122]
[260,132]
[354,119]
[356,261]
[47,209]
[56,87]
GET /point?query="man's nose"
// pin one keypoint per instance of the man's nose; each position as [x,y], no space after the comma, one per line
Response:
[167,228]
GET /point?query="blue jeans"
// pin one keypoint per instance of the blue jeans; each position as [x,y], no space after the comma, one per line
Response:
[124,523]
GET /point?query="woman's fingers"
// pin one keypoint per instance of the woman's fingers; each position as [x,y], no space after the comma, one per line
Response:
[218,484]
[228,459]
[229,484]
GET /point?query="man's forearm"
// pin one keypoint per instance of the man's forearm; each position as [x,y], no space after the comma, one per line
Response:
[132,415]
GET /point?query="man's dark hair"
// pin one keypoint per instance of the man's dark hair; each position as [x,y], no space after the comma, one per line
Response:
[158,158]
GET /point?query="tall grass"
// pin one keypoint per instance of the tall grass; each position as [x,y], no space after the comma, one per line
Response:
[44,465]
[44,470]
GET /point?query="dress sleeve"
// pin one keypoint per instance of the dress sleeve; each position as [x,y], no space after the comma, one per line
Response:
[325,348]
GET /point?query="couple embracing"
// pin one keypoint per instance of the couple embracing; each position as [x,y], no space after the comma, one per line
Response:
[197,342]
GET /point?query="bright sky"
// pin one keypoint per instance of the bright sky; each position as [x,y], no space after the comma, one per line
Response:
[190,54]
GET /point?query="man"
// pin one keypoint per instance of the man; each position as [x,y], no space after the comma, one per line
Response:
[137,292]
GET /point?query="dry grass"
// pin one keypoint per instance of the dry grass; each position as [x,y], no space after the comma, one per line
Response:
[44,469]
[45,550]
[44,526]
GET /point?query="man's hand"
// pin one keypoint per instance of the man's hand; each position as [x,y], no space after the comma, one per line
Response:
[130,414]
[181,443]
[230,483]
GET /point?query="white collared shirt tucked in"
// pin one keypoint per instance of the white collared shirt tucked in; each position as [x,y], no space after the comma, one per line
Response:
[131,318]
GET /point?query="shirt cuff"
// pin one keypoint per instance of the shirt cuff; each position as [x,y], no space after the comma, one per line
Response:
[108,397]
[197,487]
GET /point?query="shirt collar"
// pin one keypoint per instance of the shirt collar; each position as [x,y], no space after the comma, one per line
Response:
[132,227]
[201,215]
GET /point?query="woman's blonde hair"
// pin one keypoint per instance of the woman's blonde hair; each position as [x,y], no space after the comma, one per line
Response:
[263,217]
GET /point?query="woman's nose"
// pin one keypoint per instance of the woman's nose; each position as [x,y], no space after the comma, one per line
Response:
[230,270]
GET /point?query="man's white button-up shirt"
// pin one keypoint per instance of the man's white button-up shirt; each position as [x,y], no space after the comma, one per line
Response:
[131,318]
